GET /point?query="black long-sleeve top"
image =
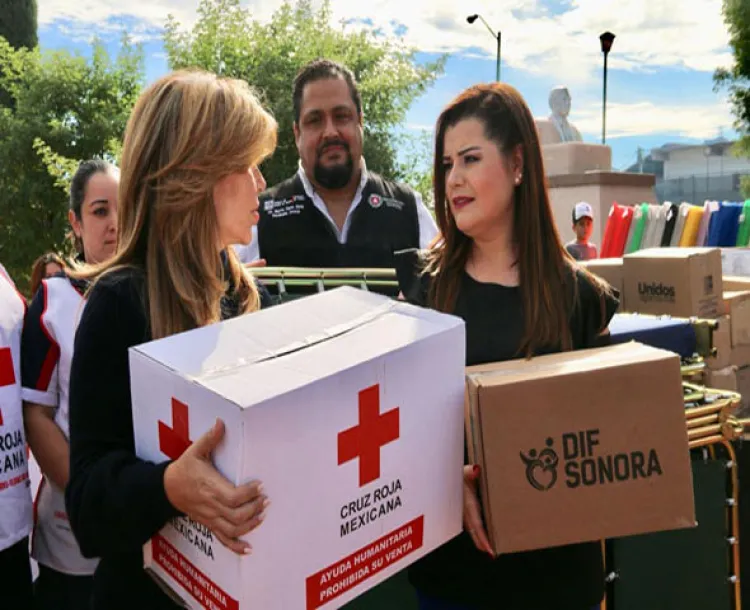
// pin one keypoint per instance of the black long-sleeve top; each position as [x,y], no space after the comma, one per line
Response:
[569,577]
[115,501]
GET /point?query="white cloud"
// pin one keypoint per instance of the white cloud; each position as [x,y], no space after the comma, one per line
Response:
[420,127]
[646,118]
[650,33]
[643,118]
[93,12]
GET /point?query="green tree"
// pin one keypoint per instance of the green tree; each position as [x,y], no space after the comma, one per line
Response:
[67,108]
[227,40]
[737,78]
[18,23]
[415,168]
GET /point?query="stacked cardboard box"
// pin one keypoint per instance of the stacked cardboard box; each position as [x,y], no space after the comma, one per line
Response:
[611,271]
[678,282]
[736,282]
[688,282]
[732,372]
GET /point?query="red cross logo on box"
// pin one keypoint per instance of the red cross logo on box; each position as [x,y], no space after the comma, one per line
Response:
[364,440]
[175,440]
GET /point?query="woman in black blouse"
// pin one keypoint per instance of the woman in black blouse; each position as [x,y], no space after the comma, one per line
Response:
[501,266]
[189,188]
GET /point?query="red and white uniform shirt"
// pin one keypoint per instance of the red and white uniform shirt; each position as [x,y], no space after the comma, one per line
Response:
[48,340]
[15,495]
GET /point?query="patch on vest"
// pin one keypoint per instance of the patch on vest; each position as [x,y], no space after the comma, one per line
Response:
[377,201]
[280,208]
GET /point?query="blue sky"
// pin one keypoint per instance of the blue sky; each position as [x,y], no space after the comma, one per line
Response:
[660,85]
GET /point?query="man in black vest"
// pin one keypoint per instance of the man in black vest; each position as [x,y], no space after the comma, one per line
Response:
[334,212]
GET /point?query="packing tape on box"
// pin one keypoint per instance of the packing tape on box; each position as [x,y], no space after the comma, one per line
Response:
[313,339]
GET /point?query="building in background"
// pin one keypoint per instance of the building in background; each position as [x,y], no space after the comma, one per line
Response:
[696,172]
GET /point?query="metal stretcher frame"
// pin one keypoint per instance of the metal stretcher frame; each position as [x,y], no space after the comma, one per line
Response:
[284,278]
[714,426]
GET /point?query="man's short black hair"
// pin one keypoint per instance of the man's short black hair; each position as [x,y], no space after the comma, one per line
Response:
[321,69]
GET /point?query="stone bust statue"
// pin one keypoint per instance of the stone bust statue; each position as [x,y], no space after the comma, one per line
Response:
[559,103]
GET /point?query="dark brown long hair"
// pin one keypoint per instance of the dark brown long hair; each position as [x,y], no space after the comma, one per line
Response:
[39,269]
[544,267]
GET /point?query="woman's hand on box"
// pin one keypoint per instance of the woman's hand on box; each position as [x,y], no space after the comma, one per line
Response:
[473,523]
[195,488]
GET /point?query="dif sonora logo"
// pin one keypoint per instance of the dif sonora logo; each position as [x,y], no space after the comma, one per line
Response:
[585,464]
[541,469]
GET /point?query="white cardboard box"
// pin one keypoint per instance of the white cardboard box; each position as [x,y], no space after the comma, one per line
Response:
[348,406]
[735,261]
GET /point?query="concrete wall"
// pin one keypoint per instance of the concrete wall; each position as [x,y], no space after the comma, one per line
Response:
[600,189]
[693,162]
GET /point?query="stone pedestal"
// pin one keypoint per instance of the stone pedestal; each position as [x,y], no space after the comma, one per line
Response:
[568,158]
[601,189]
[580,171]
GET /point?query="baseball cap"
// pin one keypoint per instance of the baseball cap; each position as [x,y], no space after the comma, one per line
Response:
[582,210]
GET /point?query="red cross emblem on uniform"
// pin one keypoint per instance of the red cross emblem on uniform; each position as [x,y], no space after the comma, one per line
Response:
[7,373]
[175,440]
[364,440]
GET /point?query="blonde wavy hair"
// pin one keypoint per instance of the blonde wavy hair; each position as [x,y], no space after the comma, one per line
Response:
[187,131]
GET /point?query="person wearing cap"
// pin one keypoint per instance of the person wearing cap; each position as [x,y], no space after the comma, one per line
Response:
[334,211]
[581,249]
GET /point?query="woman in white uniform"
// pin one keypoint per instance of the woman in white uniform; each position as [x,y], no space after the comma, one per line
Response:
[64,581]
[15,497]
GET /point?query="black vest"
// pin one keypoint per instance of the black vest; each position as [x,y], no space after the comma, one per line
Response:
[292,232]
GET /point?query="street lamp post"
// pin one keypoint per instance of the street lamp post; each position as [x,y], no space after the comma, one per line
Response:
[497,36]
[606,40]
[707,152]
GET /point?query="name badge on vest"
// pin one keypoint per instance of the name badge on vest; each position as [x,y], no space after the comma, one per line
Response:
[377,201]
[281,208]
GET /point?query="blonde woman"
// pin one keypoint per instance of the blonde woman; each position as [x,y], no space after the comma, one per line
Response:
[189,188]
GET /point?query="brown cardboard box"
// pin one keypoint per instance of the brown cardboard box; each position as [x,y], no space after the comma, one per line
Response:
[680,282]
[734,379]
[726,354]
[740,355]
[580,446]
[736,282]
[737,306]
[736,261]
[611,271]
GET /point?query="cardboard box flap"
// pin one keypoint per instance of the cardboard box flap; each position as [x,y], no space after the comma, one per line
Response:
[565,363]
[669,253]
[730,295]
[317,335]
[598,263]
[736,282]
[250,359]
